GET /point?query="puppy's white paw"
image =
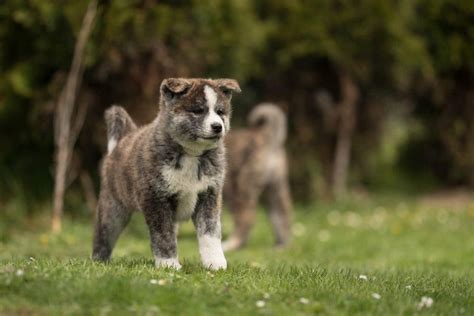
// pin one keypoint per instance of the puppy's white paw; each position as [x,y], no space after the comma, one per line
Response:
[212,256]
[167,263]
[218,263]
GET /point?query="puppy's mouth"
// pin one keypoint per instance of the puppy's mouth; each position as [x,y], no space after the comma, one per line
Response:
[214,137]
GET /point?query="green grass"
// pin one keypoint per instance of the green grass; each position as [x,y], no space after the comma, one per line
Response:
[406,251]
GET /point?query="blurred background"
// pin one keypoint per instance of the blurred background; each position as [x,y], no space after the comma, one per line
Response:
[379,94]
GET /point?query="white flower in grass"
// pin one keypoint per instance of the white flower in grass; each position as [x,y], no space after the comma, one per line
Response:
[408,287]
[324,235]
[363,277]
[255,264]
[159,282]
[210,274]
[376,296]
[298,229]
[334,218]
[304,300]
[426,302]
[260,304]
[162,282]
[353,219]
[20,272]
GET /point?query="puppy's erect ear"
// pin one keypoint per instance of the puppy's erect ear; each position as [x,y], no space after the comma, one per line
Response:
[227,86]
[174,88]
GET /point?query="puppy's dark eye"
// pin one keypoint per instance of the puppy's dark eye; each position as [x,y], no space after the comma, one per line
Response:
[197,110]
[220,112]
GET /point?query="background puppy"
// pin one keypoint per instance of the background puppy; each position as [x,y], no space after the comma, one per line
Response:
[257,163]
[171,170]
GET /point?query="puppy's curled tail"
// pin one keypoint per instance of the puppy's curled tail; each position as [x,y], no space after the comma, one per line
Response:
[119,124]
[271,121]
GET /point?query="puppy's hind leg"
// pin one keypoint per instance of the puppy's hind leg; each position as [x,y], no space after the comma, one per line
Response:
[278,200]
[243,211]
[111,219]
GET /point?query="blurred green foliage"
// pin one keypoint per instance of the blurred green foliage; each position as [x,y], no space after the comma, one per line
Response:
[411,60]
[445,106]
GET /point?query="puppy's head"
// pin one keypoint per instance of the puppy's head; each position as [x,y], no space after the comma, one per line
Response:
[197,111]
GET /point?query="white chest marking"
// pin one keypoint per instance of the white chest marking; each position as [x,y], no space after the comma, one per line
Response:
[111,145]
[186,184]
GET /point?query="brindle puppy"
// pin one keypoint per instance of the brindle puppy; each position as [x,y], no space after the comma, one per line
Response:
[171,170]
[257,164]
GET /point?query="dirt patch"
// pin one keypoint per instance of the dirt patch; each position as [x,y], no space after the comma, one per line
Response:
[448,198]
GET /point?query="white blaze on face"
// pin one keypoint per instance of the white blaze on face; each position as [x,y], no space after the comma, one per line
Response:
[212,117]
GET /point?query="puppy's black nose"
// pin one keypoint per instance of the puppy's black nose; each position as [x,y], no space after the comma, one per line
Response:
[216,127]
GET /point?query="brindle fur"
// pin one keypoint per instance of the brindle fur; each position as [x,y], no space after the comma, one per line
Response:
[134,174]
[257,165]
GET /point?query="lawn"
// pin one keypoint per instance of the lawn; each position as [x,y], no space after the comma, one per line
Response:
[364,256]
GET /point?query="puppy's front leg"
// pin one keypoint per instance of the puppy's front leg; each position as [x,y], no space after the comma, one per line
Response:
[206,218]
[159,216]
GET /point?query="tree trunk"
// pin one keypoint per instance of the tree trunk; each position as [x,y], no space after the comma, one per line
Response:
[65,138]
[347,120]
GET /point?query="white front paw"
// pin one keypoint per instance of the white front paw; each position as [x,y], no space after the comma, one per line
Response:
[217,263]
[167,263]
[211,252]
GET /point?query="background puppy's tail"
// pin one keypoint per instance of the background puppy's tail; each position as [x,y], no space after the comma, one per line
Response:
[119,124]
[271,120]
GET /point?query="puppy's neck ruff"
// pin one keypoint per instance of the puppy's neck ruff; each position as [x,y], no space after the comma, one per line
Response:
[199,147]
